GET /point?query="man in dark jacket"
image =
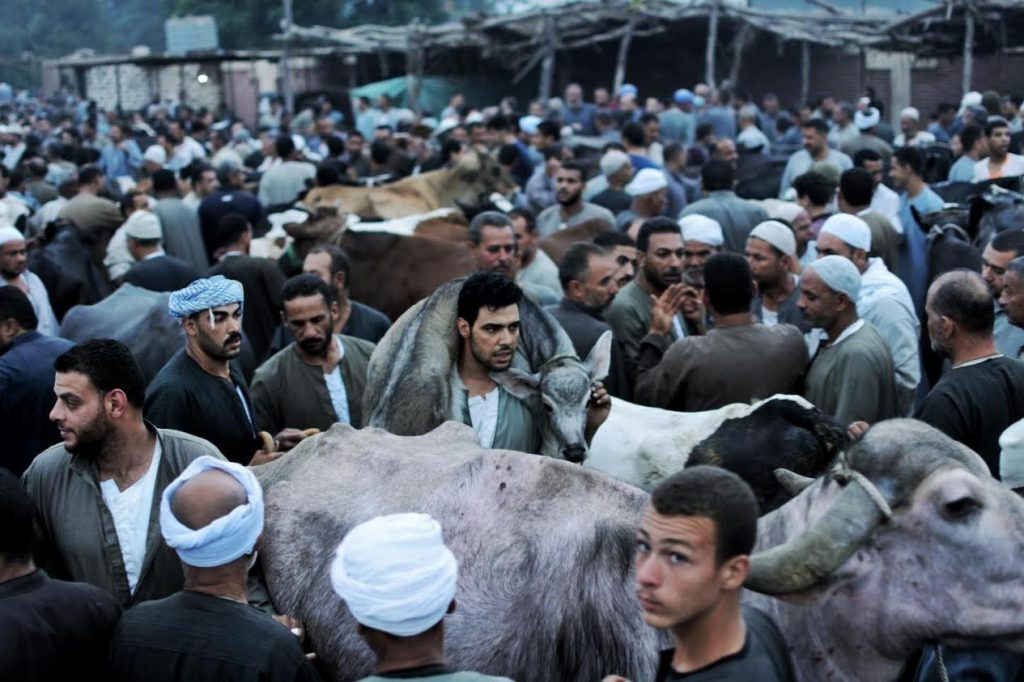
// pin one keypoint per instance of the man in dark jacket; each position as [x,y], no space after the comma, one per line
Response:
[153,269]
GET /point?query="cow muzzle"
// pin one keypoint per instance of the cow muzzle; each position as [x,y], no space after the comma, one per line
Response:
[574,453]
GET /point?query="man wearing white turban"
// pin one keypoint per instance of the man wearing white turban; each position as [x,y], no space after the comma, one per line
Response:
[398,580]
[852,375]
[702,238]
[14,272]
[199,391]
[212,516]
[883,300]
[649,189]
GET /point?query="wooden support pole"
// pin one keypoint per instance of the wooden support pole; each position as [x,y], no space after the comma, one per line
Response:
[623,56]
[709,50]
[547,67]
[968,48]
[805,72]
[414,71]
[739,47]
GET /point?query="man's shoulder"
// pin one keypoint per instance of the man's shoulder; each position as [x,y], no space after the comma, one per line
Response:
[627,299]
[370,313]
[169,380]
[593,211]
[48,464]
[548,212]
[181,448]
[357,345]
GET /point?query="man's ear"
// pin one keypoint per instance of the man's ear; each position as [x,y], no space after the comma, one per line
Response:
[599,359]
[339,281]
[520,384]
[463,327]
[734,572]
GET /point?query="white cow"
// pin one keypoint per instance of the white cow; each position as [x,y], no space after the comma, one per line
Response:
[643,445]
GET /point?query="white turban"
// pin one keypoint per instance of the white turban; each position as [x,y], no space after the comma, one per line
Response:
[529,124]
[395,573]
[839,274]
[143,225]
[613,160]
[1011,459]
[867,119]
[776,234]
[971,99]
[911,112]
[205,294]
[10,234]
[156,154]
[699,228]
[226,538]
[647,181]
[849,228]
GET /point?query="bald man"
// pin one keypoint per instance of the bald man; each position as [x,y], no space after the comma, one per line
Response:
[212,516]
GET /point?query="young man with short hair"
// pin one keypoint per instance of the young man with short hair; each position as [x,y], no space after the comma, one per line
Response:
[692,557]
[1000,162]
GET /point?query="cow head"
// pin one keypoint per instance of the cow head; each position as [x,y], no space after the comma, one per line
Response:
[478,176]
[558,395]
[911,538]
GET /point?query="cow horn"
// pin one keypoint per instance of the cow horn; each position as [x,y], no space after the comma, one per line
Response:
[806,561]
[792,482]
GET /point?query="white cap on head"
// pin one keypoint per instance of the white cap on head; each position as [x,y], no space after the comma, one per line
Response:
[851,229]
[839,274]
[474,117]
[143,225]
[776,234]
[613,160]
[646,181]
[155,154]
[783,210]
[911,112]
[867,119]
[699,228]
[395,573]
[10,234]
[528,124]
[970,99]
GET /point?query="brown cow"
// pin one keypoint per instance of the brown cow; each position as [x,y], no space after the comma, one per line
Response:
[469,183]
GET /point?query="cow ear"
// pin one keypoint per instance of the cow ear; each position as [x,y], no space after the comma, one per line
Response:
[600,357]
[522,385]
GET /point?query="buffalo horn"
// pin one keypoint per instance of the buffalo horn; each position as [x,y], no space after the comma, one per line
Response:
[792,482]
[806,561]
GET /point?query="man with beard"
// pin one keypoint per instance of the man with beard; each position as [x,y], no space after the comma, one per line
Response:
[319,379]
[570,208]
[199,391]
[851,376]
[739,360]
[983,394]
[1000,162]
[14,272]
[815,143]
[95,493]
[771,250]
[661,268]
[995,260]
[587,273]
[488,325]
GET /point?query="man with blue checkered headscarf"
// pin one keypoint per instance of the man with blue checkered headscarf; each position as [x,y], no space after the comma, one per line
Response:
[200,391]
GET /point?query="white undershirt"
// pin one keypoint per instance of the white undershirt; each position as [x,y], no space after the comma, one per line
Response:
[769,318]
[245,406]
[336,387]
[483,415]
[131,509]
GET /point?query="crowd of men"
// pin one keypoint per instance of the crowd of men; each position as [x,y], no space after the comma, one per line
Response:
[717,289]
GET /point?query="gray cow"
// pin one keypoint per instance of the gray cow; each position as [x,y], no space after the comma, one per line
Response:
[908,541]
[408,389]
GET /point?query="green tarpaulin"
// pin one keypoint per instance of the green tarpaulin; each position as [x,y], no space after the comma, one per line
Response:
[435,91]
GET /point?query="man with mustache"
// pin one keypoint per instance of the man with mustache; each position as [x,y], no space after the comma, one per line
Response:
[199,391]
[95,491]
[319,378]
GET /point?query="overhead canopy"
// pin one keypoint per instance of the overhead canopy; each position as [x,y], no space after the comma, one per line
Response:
[435,91]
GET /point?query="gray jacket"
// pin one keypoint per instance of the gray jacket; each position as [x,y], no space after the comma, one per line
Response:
[77,538]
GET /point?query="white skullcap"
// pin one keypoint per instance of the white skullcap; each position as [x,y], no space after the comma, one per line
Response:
[475,117]
[866,119]
[699,228]
[851,229]
[10,234]
[839,274]
[911,112]
[528,124]
[396,574]
[782,210]
[155,154]
[776,234]
[646,181]
[143,225]
[971,99]
[226,538]
[1011,459]
[613,160]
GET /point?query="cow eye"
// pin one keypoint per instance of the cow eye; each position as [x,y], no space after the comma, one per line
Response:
[548,408]
[961,508]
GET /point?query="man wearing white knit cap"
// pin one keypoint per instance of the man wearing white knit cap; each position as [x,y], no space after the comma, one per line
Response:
[14,272]
[911,134]
[771,250]
[212,516]
[154,269]
[883,300]
[649,190]
[702,238]
[616,171]
[398,580]
[851,376]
